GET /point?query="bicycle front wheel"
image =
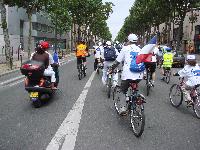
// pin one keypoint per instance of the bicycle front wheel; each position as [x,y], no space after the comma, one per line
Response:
[176,95]
[116,98]
[148,89]
[196,107]
[109,88]
[137,119]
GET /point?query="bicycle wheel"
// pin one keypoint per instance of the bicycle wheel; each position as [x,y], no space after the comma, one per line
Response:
[137,119]
[148,89]
[116,98]
[79,72]
[109,87]
[176,95]
[196,107]
[167,79]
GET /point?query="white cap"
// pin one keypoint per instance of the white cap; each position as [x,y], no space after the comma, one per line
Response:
[191,57]
[132,37]
[108,43]
[100,43]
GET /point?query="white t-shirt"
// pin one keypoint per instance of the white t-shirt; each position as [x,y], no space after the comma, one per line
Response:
[125,56]
[99,50]
[192,74]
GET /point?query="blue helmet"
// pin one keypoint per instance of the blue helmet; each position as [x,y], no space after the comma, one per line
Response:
[168,49]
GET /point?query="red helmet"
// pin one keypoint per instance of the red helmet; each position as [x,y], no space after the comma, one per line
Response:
[44,45]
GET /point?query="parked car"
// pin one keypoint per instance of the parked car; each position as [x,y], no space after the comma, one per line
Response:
[178,60]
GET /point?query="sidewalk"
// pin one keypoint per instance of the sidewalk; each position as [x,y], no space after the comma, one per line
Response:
[5,69]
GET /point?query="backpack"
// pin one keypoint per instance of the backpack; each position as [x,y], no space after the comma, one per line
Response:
[109,54]
[134,67]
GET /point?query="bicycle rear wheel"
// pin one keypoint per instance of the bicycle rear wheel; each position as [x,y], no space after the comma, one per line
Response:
[148,89]
[196,107]
[109,88]
[137,119]
[116,98]
[167,78]
[176,95]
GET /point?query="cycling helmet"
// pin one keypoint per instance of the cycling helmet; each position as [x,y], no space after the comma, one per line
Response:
[100,43]
[117,42]
[191,57]
[168,49]
[132,37]
[44,45]
[108,43]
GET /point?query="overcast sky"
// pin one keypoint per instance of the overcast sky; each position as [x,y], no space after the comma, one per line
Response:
[120,12]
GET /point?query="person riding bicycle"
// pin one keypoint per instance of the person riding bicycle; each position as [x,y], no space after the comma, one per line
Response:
[151,66]
[109,56]
[42,55]
[81,53]
[98,55]
[167,61]
[128,76]
[191,72]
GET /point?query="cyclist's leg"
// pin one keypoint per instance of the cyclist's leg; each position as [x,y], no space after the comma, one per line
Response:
[115,77]
[79,61]
[123,96]
[84,62]
[95,63]
[104,76]
[153,72]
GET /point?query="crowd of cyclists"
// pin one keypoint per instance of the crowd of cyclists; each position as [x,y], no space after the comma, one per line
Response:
[112,55]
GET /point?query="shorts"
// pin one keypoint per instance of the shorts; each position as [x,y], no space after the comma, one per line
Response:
[80,60]
[125,84]
[151,66]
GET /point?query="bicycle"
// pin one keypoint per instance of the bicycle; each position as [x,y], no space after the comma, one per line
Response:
[135,107]
[81,70]
[176,91]
[167,72]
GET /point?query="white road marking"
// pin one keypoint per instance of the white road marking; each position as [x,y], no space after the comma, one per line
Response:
[65,136]
[12,80]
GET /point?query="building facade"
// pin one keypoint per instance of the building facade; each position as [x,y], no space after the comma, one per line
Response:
[191,32]
[18,28]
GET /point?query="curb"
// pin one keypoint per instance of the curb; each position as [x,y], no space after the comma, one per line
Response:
[12,80]
[15,70]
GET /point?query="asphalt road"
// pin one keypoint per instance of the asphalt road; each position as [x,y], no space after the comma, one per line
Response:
[23,127]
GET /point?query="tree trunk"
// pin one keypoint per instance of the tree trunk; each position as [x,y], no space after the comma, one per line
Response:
[30,33]
[56,34]
[6,35]
[179,36]
[79,32]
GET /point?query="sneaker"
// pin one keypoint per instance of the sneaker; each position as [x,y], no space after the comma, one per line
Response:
[123,111]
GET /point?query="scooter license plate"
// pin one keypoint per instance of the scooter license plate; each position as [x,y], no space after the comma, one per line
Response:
[34,94]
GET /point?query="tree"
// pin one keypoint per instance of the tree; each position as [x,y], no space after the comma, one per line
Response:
[5,33]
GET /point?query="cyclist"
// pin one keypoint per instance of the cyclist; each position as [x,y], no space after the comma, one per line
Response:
[109,56]
[151,66]
[81,53]
[127,75]
[167,61]
[191,72]
[98,55]
[42,55]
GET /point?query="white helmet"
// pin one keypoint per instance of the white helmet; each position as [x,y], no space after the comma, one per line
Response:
[108,43]
[117,42]
[132,37]
[100,43]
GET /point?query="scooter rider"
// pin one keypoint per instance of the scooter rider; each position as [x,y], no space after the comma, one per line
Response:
[45,57]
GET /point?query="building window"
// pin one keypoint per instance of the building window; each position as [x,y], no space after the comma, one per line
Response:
[35,26]
[197,29]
